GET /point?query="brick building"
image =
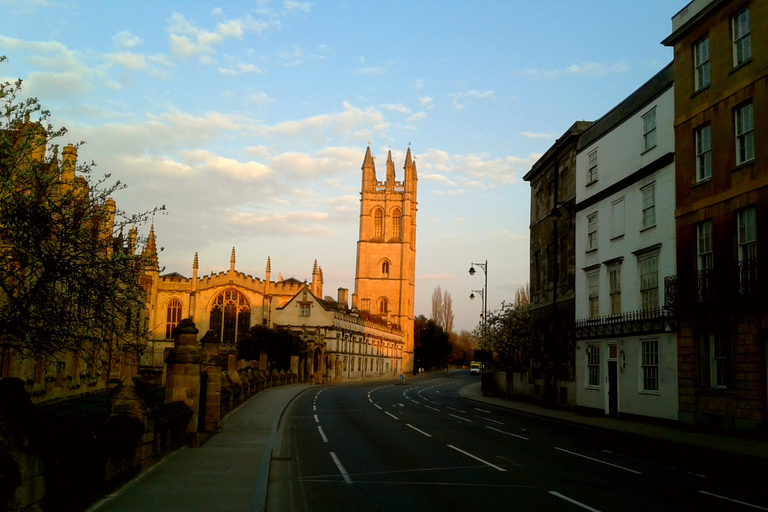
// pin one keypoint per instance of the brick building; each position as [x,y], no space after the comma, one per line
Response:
[721,131]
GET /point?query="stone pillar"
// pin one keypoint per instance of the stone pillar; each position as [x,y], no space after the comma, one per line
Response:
[263,360]
[182,381]
[211,367]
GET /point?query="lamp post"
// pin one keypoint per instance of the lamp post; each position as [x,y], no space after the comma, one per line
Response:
[484,294]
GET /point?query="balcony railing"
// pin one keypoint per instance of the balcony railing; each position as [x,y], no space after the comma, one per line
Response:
[647,321]
[717,287]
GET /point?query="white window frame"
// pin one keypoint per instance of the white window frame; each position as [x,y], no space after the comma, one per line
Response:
[649,366]
[592,231]
[614,288]
[593,373]
[703,141]
[592,167]
[593,293]
[701,63]
[305,310]
[745,133]
[649,130]
[617,218]
[648,272]
[718,350]
[648,194]
[746,228]
[704,248]
[742,44]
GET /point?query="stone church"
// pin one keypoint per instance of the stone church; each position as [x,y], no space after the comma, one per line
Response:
[372,337]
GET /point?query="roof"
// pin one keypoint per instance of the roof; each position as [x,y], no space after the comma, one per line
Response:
[576,129]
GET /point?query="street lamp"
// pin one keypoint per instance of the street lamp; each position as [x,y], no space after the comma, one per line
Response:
[484,293]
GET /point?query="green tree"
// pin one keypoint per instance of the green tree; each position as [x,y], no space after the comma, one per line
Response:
[431,343]
[508,331]
[67,282]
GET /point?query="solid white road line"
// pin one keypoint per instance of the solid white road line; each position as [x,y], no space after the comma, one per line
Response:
[508,433]
[734,501]
[566,498]
[317,420]
[461,418]
[483,410]
[322,434]
[387,412]
[341,468]
[418,430]
[377,405]
[492,421]
[494,466]
[598,460]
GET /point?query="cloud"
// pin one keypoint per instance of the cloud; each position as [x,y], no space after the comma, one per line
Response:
[187,40]
[457,98]
[128,61]
[473,170]
[418,116]
[436,277]
[399,108]
[351,122]
[126,39]
[259,99]
[297,223]
[206,161]
[427,102]
[376,70]
[586,69]
[292,7]
[531,135]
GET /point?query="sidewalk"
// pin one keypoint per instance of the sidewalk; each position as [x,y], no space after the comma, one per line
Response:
[723,443]
[228,473]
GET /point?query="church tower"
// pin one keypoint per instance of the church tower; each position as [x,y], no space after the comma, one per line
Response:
[386,249]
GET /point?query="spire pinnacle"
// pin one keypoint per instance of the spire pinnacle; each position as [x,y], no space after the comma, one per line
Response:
[194,263]
[269,265]
[232,260]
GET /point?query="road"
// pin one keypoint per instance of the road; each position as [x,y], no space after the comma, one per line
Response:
[420,446]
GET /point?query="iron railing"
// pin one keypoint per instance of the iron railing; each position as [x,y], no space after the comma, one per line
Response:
[730,286]
[646,321]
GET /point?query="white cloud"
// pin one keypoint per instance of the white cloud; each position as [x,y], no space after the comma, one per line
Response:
[418,116]
[531,135]
[587,69]
[399,108]
[427,102]
[126,39]
[259,99]
[457,98]
[206,161]
[351,121]
[187,40]
[292,7]
[128,60]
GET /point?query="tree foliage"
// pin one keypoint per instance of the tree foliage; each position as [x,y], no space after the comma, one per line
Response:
[431,343]
[66,280]
[442,309]
[279,343]
[507,331]
[463,347]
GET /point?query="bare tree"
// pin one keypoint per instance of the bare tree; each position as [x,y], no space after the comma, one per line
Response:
[442,309]
[447,312]
[437,306]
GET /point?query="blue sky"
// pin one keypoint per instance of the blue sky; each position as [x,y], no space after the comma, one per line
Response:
[249,120]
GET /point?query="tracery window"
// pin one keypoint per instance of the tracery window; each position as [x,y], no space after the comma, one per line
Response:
[396,223]
[378,223]
[172,316]
[230,316]
[385,268]
[383,306]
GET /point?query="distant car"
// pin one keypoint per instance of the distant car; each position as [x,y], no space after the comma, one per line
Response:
[475,368]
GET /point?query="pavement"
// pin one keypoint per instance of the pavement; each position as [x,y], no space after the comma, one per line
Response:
[729,444]
[230,472]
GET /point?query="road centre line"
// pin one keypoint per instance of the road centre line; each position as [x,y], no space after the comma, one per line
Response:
[489,419]
[734,501]
[461,418]
[508,433]
[322,434]
[377,405]
[433,408]
[317,420]
[494,466]
[418,430]
[598,460]
[566,498]
[387,412]
[482,410]
[341,468]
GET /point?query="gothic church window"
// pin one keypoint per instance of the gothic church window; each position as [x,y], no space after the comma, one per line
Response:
[396,222]
[383,307]
[385,268]
[230,316]
[378,223]
[172,316]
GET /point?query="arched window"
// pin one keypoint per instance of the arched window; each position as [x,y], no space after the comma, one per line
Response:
[383,306]
[396,223]
[378,223]
[172,316]
[230,316]
[385,268]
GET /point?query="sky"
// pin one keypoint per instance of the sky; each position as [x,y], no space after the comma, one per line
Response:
[249,120]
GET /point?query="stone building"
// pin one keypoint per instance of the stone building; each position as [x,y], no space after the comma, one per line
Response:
[553,195]
[386,250]
[721,132]
[626,344]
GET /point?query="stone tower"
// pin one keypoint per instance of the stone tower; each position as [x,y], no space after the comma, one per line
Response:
[386,249]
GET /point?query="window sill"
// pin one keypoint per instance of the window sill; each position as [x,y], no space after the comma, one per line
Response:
[591,183]
[649,227]
[596,388]
[702,182]
[700,90]
[649,149]
[591,250]
[617,237]
[739,66]
[742,165]
[649,392]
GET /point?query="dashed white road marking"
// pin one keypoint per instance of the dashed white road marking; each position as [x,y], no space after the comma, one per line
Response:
[433,408]
[566,498]
[387,412]
[494,466]
[322,434]
[461,418]
[317,420]
[598,460]
[418,430]
[482,410]
[492,421]
[734,501]
[341,468]
[508,433]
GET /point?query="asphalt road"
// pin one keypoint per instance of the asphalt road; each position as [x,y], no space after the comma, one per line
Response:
[422,447]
